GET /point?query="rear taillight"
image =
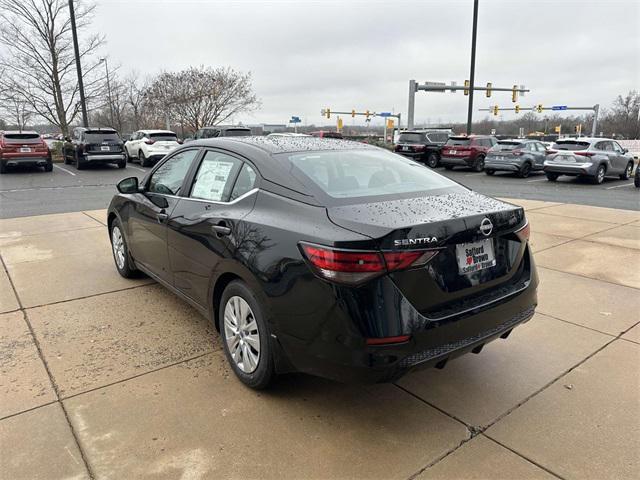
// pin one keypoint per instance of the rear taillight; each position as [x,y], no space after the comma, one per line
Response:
[523,233]
[354,266]
[517,153]
[418,147]
[149,142]
[550,152]
[585,154]
[388,340]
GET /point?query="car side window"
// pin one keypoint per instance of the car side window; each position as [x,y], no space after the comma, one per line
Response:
[168,178]
[616,147]
[245,182]
[215,177]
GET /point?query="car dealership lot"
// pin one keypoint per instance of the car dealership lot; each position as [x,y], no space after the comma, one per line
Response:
[27,192]
[113,378]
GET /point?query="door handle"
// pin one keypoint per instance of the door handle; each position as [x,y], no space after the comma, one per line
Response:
[162,217]
[221,229]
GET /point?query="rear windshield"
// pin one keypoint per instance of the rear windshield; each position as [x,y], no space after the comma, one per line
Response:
[438,137]
[237,132]
[21,138]
[163,137]
[364,173]
[459,141]
[95,137]
[411,138]
[505,146]
[570,145]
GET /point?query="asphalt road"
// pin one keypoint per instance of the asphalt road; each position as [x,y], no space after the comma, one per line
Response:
[28,192]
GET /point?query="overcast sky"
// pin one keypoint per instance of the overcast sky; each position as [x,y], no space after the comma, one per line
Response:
[308,55]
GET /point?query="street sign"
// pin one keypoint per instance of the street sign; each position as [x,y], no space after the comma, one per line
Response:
[436,84]
[384,114]
[295,120]
[390,124]
[559,107]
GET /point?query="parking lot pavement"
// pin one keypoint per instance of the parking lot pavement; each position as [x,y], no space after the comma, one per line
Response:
[108,378]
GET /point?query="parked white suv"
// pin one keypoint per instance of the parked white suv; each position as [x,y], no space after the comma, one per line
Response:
[149,146]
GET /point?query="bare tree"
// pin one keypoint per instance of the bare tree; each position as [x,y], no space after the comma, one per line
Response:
[39,62]
[15,108]
[200,96]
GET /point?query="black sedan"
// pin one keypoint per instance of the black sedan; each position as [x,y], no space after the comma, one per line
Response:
[325,256]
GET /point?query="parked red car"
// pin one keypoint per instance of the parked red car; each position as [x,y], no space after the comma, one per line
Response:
[23,148]
[466,151]
[326,134]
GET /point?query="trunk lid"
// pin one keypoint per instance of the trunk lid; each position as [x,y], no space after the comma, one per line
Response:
[443,222]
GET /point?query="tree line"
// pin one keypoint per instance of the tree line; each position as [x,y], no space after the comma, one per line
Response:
[38,80]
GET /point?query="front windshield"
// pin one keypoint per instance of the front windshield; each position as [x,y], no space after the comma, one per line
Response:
[363,173]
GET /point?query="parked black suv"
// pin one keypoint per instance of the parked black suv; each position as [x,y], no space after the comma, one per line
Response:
[94,145]
[422,145]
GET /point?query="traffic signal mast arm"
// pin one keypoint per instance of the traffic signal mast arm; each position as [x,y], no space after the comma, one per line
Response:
[326,112]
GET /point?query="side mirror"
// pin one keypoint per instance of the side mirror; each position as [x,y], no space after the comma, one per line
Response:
[128,185]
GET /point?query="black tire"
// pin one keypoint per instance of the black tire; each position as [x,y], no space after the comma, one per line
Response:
[79,163]
[478,166]
[433,160]
[627,172]
[126,155]
[448,167]
[490,172]
[636,179]
[122,164]
[125,268]
[66,157]
[599,176]
[48,167]
[264,373]
[552,177]
[143,160]
[525,170]
[3,167]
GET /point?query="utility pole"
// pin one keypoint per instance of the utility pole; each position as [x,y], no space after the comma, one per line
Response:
[473,65]
[412,104]
[76,49]
[596,110]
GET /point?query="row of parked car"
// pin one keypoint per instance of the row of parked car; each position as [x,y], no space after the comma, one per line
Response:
[592,158]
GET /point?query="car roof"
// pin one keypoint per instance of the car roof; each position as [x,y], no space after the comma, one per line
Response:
[225,127]
[18,132]
[277,144]
[584,139]
[464,137]
[157,131]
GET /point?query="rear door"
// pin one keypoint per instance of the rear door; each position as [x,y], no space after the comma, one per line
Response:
[206,226]
[148,220]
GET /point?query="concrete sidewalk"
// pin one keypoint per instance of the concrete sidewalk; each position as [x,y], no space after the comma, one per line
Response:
[108,378]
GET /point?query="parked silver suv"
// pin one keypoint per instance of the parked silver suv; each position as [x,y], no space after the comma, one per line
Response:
[595,158]
[519,156]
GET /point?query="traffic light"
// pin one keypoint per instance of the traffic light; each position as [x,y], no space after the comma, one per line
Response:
[339,124]
[495,109]
[514,94]
[539,108]
[466,87]
[578,128]
[488,92]
[353,114]
[328,112]
[367,115]
[517,108]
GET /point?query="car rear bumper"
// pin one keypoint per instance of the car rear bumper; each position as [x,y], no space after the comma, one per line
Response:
[460,161]
[412,155]
[338,350]
[570,169]
[111,158]
[501,165]
[27,161]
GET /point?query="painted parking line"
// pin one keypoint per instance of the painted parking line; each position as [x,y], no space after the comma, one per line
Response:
[538,180]
[136,168]
[619,186]
[64,169]
[472,174]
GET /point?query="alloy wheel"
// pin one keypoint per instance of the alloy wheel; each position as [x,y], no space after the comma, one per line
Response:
[241,334]
[600,177]
[117,244]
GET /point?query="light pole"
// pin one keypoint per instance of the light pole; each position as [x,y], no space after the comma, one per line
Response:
[106,68]
[83,103]
[473,65]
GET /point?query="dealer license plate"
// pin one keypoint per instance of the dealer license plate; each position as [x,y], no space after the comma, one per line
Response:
[25,149]
[452,152]
[105,148]
[474,256]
